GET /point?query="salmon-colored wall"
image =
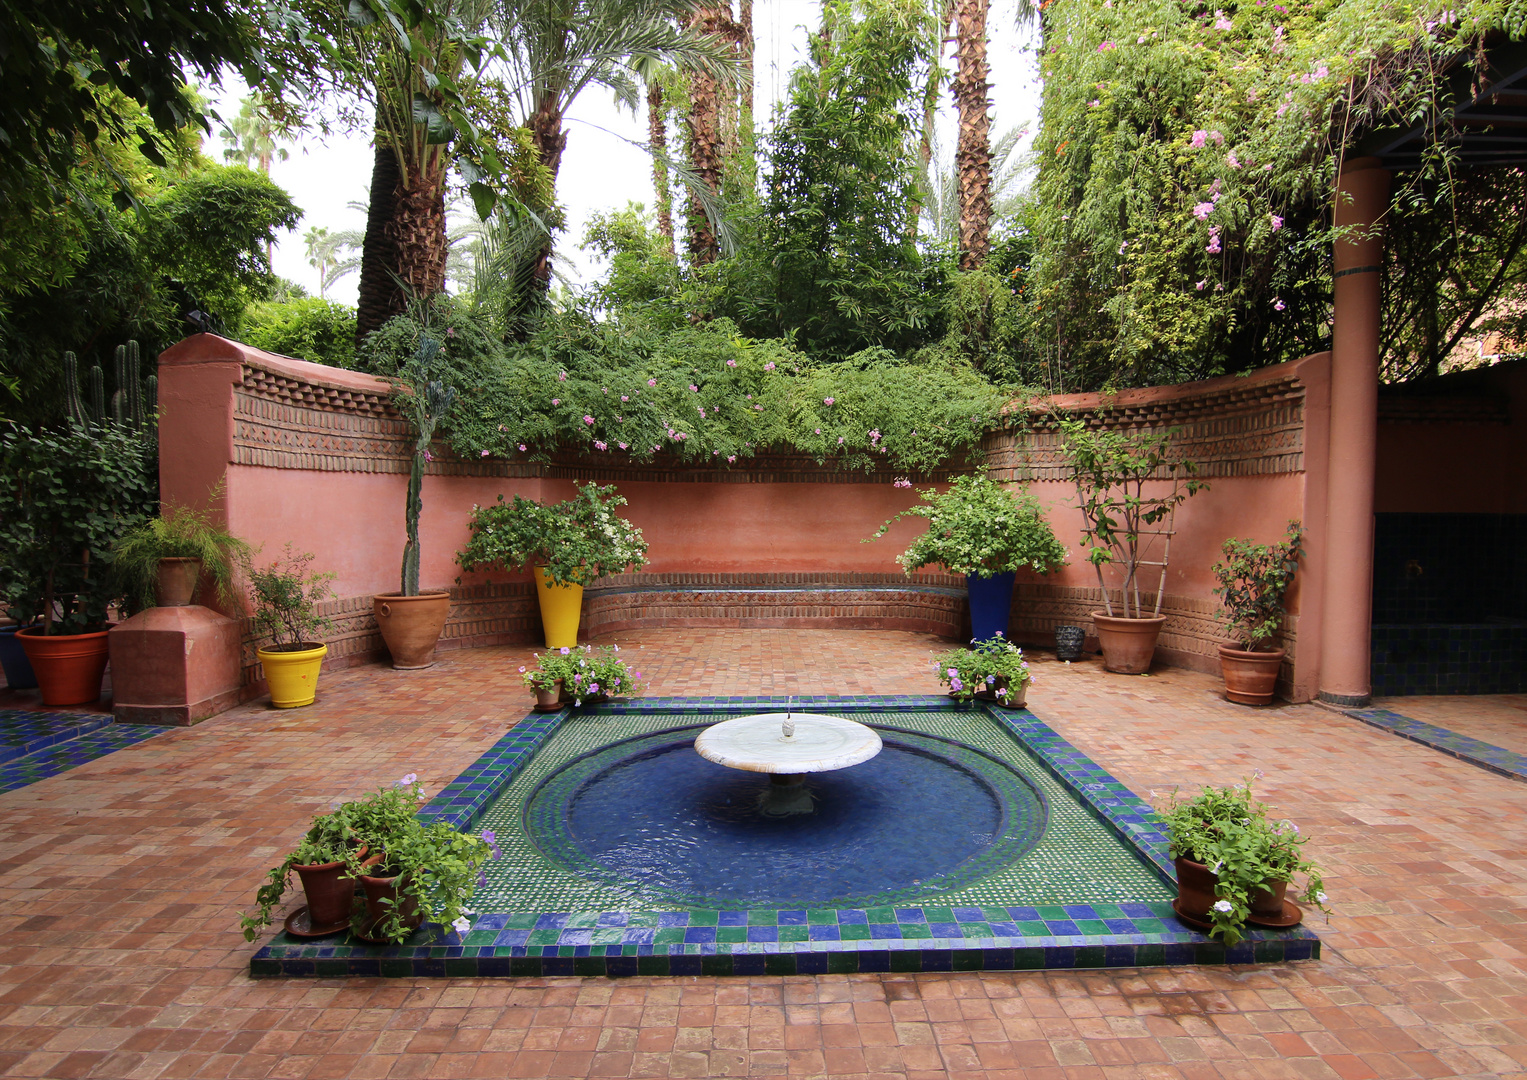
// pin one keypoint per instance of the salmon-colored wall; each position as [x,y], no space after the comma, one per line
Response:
[314,456]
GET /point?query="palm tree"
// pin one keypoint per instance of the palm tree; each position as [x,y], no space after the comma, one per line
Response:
[940,213]
[251,136]
[335,255]
[555,49]
[404,250]
[972,155]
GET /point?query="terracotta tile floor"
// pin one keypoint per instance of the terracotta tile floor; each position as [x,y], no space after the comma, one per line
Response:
[120,883]
[1498,719]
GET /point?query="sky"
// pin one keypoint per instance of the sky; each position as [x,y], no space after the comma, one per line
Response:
[601,169]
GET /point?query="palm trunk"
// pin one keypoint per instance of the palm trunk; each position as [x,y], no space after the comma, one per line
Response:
[379,257]
[657,139]
[418,231]
[973,155]
[705,149]
[550,141]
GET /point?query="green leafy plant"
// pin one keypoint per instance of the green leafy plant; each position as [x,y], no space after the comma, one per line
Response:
[586,673]
[994,666]
[980,527]
[381,835]
[67,497]
[577,541]
[179,533]
[285,595]
[1111,470]
[1229,832]
[1253,581]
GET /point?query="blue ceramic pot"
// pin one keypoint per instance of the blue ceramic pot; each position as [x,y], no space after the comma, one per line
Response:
[991,598]
[18,669]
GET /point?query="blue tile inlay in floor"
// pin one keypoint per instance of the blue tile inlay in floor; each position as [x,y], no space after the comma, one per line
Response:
[1486,755]
[23,732]
[88,743]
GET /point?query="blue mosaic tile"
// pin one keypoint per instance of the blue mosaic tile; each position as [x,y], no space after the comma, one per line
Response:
[803,941]
[23,732]
[71,752]
[1497,759]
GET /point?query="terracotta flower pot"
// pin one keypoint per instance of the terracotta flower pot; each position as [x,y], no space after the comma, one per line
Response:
[1196,887]
[411,626]
[68,667]
[1250,677]
[1128,644]
[1015,698]
[1268,903]
[330,894]
[175,582]
[381,897]
[549,700]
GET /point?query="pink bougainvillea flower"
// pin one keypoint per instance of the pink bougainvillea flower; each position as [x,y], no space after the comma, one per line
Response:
[522,448]
[1200,285]
[621,445]
[901,482]
[729,458]
[693,388]
[1198,139]
[600,446]
[651,382]
[1222,23]
[1107,46]
[731,363]
[1233,161]
[769,366]
[1203,210]
[428,456]
[588,419]
[1278,305]
[484,453]
[840,440]
[623,397]
[556,401]
[562,376]
[1277,222]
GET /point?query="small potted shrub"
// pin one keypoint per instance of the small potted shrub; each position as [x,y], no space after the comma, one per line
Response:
[284,597]
[1234,864]
[409,872]
[584,675]
[411,621]
[993,670]
[568,545]
[1254,581]
[982,530]
[160,562]
[1128,529]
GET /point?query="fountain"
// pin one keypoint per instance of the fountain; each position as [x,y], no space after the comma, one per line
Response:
[787,747]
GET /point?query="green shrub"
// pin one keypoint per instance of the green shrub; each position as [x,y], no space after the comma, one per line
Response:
[308,328]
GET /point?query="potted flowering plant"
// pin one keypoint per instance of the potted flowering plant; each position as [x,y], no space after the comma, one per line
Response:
[568,545]
[982,530]
[993,670]
[1234,864]
[584,675]
[1253,581]
[410,872]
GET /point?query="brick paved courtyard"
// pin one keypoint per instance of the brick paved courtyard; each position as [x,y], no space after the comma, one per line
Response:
[120,884]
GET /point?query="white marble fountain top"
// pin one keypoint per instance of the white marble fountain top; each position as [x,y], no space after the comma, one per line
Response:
[758,744]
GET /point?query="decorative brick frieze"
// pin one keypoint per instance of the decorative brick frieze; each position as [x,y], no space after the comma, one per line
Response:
[1255,430]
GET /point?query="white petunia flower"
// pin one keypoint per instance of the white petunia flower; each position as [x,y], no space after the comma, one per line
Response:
[1224,906]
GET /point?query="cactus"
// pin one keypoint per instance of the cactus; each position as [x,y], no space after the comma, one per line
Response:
[97,402]
[74,405]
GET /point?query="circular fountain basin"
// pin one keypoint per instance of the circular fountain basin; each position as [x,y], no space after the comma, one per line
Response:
[653,816]
[818,743]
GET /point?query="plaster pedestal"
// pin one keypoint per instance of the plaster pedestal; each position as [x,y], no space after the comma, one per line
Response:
[174,665]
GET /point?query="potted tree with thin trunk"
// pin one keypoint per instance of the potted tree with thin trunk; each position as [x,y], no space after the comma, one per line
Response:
[1127,528]
[411,622]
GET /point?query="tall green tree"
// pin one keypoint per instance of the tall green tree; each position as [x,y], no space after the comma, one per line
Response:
[843,187]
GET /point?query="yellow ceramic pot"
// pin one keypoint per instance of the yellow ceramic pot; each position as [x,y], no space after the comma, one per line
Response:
[293,676]
[561,607]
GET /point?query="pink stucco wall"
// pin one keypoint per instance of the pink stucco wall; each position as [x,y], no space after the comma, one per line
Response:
[316,456]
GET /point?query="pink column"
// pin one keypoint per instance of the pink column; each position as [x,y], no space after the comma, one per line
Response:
[1363,195]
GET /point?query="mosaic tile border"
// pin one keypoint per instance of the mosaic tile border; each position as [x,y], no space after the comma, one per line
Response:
[1496,759]
[790,941]
[23,732]
[71,753]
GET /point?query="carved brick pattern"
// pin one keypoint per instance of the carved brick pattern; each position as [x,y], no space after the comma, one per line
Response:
[1256,431]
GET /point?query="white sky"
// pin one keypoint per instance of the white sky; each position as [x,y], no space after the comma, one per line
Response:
[600,171]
